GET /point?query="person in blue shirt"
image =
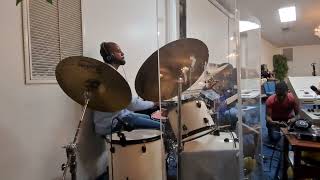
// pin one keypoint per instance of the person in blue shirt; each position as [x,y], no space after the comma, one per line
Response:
[127,119]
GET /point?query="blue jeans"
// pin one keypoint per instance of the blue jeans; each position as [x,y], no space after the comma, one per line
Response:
[139,121]
[274,134]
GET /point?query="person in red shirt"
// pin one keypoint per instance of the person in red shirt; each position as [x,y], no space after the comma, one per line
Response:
[282,109]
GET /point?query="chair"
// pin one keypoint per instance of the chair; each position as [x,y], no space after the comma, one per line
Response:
[269,88]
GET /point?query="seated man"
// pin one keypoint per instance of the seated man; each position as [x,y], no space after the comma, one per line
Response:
[107,122]
[282,109]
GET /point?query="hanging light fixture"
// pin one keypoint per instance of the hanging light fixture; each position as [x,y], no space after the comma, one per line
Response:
[317,31]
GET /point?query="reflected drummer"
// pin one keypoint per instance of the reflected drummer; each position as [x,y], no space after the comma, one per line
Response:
[124,119]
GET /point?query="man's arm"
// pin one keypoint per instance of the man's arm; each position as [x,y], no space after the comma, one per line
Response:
[269,113]
[296,110]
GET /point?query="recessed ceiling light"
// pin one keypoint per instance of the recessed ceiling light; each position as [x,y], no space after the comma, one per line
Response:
[287,14]
[317,31]
[247,25]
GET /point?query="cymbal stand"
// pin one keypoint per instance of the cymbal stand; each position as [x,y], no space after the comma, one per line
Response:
[72,147]
[179,139]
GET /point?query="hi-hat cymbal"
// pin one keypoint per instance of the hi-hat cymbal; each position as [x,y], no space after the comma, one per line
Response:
[184,58]
[109,91]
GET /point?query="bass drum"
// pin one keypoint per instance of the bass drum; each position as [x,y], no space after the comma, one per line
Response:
[137,155]
[195,120]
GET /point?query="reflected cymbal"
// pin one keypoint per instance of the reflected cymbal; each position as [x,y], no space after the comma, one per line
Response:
[184,58]
[109,91]
[209,76]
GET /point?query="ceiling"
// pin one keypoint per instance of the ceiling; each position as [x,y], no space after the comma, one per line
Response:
[300,32]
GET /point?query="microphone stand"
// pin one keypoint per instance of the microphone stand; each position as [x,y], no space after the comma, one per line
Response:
[72,147]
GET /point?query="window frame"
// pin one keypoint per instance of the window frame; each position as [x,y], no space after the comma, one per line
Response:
[29,79]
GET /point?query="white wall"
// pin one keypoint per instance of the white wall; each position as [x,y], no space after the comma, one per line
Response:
[303,56]
[131,24]
[267,52]
[36,120]
[207,23]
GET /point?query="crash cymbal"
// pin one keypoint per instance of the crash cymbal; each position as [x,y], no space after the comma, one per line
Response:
[208,76]
[184,58]
[109,91]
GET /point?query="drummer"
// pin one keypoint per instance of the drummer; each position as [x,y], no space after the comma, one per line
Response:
[124,119]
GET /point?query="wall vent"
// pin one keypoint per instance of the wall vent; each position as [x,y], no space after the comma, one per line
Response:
[288,53]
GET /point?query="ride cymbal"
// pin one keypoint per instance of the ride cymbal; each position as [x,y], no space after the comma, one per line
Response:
[183,58]
[108,91]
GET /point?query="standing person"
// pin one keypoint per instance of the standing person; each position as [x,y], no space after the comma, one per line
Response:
[125,118]
[282,109]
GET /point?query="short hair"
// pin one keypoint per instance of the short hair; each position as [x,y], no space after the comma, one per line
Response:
[281,87]
[105,50]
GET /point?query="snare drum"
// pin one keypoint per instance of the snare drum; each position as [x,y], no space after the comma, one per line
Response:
[137,156]
[195,120]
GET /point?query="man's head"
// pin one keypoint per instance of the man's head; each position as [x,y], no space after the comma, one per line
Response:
[281,90]
[111,53]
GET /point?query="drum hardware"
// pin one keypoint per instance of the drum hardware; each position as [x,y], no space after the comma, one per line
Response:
[179,140]
[123,140]
[71,147]
[184,128]
[85,81]
[144,148]
[198,104]
[112,149]
[205,120]
[125,126]
[313,69]
[216,133]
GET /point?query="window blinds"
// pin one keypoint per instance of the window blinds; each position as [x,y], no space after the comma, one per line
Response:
[55,32]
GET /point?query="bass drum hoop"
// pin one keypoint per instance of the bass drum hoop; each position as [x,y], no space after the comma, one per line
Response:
[135,141]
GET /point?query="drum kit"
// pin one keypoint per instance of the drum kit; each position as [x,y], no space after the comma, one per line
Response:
[98,86]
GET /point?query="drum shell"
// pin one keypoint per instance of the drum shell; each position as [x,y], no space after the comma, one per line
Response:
[193,114]
[130,162]
[210,156]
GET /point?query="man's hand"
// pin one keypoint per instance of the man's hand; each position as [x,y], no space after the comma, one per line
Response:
[283,124]
[292,120]
[275,123]
[279,124]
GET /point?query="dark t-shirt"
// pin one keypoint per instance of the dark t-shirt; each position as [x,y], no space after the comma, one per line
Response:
[265,74]
[282,111]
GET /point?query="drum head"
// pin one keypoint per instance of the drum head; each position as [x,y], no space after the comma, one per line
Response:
[137,136]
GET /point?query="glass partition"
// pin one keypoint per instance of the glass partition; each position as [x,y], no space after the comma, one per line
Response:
[198,66]
[250,40]
[135,150]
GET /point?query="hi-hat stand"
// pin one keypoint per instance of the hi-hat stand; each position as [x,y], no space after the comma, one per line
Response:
[71,148]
